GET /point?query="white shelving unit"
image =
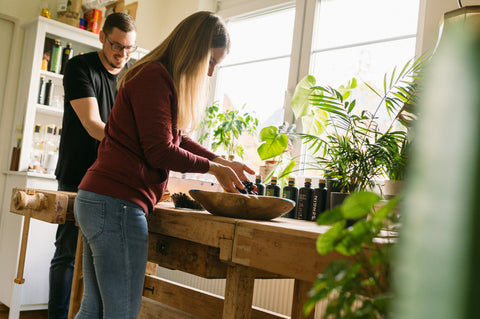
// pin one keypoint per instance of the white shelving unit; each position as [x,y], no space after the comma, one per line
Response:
[40,247]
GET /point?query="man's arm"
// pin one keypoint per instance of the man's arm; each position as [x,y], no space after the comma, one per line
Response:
[87,111]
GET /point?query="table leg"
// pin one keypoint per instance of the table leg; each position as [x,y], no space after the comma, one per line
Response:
[14,312]
[300,296]
[77,281]
[238,292]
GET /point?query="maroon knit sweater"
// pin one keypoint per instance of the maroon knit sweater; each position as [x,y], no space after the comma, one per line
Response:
[141,143]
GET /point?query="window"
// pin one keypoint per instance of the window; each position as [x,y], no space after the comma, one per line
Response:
[255,73]
[362,39]
[348,38]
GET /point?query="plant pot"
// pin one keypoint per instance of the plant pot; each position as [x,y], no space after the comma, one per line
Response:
[392,188]
[337,198]
[332,186]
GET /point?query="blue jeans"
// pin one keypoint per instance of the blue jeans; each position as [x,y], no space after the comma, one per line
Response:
[61,266]
[115,248]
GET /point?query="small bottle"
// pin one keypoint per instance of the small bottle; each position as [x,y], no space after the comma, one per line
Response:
[291,192]
[56,58]
[305,194]
[260,186]
[67,55]
[272,189]
[319,201]
[48,93]
[41,91]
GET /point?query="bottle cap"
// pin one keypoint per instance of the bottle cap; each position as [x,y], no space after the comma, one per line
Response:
[308,180]
[322,180]
[291,179]
[274,178]
[258,177]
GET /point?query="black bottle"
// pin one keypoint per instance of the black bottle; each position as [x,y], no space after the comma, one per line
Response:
[67,55]
[305,194]
[319,201]
[41,91]
[260,186]
[48,93]
[291,192]
[272,189]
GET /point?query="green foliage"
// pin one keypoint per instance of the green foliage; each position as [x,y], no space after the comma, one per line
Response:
[227,127]
[360,286]
[345,140]
[276,143]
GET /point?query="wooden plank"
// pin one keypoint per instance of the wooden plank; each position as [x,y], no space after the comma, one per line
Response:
[180,254]
[300,296]
[238,292]
[194,301]
[197,259]
[280,250]
[76,292]
[50,206]
[152,309]
[197,226]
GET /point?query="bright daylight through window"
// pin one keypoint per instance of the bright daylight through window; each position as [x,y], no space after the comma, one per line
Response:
[351,38]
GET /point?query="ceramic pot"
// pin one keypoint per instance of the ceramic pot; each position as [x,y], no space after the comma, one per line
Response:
[337,198]
[392,188]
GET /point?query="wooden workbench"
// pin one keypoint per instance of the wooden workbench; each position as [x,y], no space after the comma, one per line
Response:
[236,249]
[212,247]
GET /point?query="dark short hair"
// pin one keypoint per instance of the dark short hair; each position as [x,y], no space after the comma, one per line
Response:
[119,20]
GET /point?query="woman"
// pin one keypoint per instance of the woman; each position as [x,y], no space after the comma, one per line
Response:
[158,98]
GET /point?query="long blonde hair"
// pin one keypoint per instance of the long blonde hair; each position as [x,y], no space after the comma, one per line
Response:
[185,54]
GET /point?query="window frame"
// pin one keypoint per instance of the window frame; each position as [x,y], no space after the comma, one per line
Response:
[303,33]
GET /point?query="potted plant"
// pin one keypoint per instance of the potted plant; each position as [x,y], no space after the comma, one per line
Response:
[227,127]
[348,142]
[358,289]
[275,149]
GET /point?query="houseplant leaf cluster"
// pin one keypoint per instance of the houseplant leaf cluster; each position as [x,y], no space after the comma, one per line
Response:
[358,289]
[227,128]
[344,138]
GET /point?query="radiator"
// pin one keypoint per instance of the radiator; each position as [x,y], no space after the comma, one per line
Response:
[271,294]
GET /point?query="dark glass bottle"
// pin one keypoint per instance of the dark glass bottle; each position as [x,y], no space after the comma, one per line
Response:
[305,194]
[273,189]
[48,93]
[67,55]
[319,200]
[260,186]
[291,192]
[41,91]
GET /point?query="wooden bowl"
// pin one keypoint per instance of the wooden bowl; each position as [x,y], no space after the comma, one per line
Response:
[241,205]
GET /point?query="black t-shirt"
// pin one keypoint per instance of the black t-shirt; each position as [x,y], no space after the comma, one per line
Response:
[85,76]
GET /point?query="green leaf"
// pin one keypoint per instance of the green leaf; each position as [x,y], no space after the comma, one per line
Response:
[274,144]
[315,124]
[327,241]
[330,216]
[300,100]
[359,204]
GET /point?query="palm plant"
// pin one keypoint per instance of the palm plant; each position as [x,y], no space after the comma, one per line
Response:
[346,143]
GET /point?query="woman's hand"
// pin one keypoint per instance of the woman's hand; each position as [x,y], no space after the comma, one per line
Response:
[226,176]
[238,167]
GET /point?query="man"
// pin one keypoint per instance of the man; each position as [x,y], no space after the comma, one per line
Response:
[90,90]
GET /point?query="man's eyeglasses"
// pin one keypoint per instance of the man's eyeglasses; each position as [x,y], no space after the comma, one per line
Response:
[117,47]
